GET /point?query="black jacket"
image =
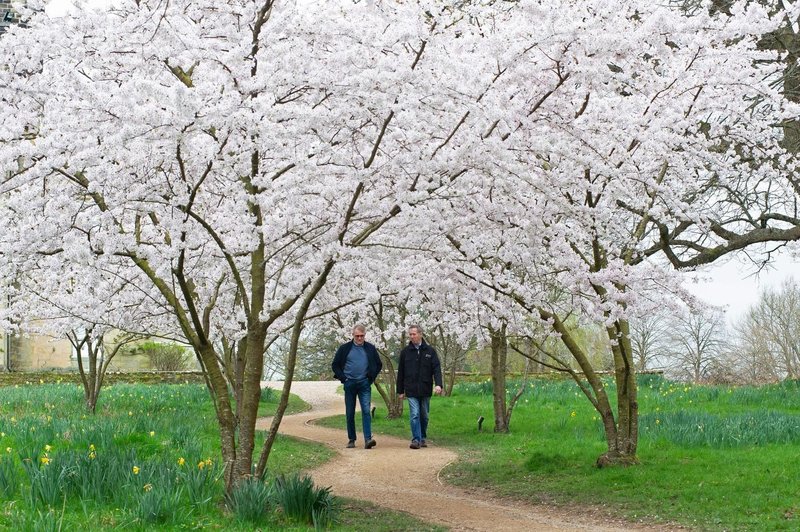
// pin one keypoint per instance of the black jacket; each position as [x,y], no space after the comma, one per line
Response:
[417,370]
[374,364]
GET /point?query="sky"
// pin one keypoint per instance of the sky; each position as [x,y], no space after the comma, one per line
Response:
[735,287]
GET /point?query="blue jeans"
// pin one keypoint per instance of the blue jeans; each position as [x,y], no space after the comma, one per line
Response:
[363,389]
[418,408]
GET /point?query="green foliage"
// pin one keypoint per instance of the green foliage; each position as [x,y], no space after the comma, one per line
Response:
[9,478]
[200,482]
[40,521]
[46,483]
[160,504]
[252,501]
[148,458]
[163,357]
[303,502]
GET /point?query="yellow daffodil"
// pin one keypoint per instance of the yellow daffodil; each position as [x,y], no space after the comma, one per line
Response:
[208,462]
[152,433]
[92,455]
[8,449]
[91,447]
[201,464]
[136,470]
[573,414]
[44,460]
[47,448]
[147,487]
[181,461]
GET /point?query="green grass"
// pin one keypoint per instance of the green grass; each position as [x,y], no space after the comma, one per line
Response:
[712,457]
[149,459]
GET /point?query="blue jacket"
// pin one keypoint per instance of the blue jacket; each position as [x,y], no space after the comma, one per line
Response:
[374,364]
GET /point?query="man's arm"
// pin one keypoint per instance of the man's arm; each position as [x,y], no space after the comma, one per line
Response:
[437,372]
[338,363]
[377,359]
[401,370]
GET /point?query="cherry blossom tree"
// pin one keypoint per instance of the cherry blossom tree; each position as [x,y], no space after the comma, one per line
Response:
[606,143]
[221,157]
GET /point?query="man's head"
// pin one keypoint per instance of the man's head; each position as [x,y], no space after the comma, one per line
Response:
[359,333]
[415,334]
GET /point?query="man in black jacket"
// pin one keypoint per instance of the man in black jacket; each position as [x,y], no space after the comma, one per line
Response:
[417,371]
[357,365]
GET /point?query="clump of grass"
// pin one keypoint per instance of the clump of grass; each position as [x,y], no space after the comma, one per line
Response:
[201,481]
[252,501]
[160,504]
[9,478]
[303,502]
[40,521]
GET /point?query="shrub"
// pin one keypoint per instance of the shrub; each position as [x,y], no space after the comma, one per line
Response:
[163,357]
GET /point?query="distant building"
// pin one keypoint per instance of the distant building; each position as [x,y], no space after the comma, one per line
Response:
[7,15]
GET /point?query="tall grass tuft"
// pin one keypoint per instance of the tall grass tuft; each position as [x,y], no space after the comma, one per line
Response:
[303,502]
[47,482]
[41,521]
[252,501]
[160,504]
[693,429]
[9,478]
[201,483]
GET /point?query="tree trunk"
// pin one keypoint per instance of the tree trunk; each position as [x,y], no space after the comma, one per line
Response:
[451,381]
[499,358]
[394,406]
[622,449]
[621,433]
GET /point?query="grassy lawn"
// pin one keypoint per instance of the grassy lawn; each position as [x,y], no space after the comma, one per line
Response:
[148,459]
[712,457]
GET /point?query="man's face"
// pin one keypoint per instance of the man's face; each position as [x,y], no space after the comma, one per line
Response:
[358,337]
[415,336]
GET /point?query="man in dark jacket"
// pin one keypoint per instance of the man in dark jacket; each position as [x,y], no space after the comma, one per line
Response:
[417,371]
[357,365]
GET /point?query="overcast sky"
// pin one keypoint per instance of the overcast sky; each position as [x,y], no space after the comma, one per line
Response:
[735,287]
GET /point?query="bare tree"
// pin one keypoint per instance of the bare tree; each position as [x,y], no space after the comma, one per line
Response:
[648,338]
[769,335]
[99,351]
[697,341]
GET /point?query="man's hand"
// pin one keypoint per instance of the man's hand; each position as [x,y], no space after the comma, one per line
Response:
[401,396]
[438,390]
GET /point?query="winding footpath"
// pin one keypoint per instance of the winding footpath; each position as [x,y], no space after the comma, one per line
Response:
[393,476]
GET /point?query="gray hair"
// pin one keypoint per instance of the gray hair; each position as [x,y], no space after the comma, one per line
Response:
[415,326]
[360,328]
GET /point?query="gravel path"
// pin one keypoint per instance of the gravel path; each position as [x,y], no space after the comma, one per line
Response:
[394,476]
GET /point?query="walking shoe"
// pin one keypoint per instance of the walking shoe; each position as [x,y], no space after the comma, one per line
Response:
[370,444]
[414,444]
[351,444]
[422,443]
